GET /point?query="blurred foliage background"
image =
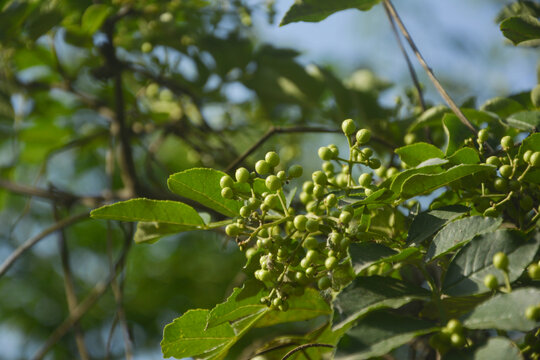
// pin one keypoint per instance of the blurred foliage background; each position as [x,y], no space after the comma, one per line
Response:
[101,101]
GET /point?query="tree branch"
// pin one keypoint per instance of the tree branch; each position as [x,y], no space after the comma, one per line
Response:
[34,240]
[392,11]
[303,347]
[84,306]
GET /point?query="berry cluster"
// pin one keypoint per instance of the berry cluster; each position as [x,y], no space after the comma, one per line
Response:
[451,336]
[292,250]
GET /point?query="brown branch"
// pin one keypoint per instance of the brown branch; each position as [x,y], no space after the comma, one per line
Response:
[303,347]
[393,13]
[84,306]
[34,240]
[71,296]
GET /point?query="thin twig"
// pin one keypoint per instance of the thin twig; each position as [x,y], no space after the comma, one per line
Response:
[83,307]
[302,347]
[438,86]
[407,59]
[71,296]
[32,241]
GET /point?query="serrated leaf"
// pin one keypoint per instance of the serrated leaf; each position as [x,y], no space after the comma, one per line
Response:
[503,107]
[464,155]
[94,16]
[235,307]
[531,142]
[417,153]
[202,185]
[452,306]
[381,332]
[498,348]
[456,133]
[366,294]
[505,311]
[150,232]
[433,167]
[365,254]
[428,223]
[521,28]
[431,116]
[426,183]
[460,232]
[317,10]
[466,272]
[186,336]
[525,120]
[163,211]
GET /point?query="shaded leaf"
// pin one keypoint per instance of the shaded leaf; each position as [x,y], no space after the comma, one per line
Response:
[459,232]
[503,107]
[505,311]
[521,28]
[464,155]
[456,133]
[428,223]
[365,254]
[431,116]
[417,153]
[94,16]
[466,272]
[498,348]
[525,120]
[432,166]
[317,10]
[151,231]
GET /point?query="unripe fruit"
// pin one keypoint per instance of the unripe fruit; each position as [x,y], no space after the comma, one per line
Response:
[300,277]
[245,211]
[532,313]
[319,177]
[500,184]
[310,272]
[300,222]
[345,217]
[273,183]
[312,225]
[272,158]
[491,282]
[500,261]
[281,175]
[264,275]
[335,238]
[363,136]
[146,47]
[493,160]
[367,152]
[527,156]
[344,243]
[310,243]
[262,167]
[325,153]
[454,326]
[507,143]
[535,159]
[348,126]
[534,271]
[365,179]
[250,253]
[226,182]
[242,175]
[457,340]
[318,191]
[328,167]
[409,138]
[374,163]
[526,203]
[295,171]
[334,149]
[308,187]
[330,200]
[506,171]
[330,262]
[227,193]
[232,230]
[324,283]
[483,135]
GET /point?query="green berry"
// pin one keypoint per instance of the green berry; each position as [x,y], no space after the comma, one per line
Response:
[409,138]
[312,225]
[319,178]
[527,156]
[242,175]
[491,282]
[264,275]
[532,313]
[308,187]
[335,238]
[367,152]
[374,163]
[505,171]
[534,271]
[272,158]
[245,211]
[295,171]
[300,277]
[330,200]
[491,212]
[344,243]
[250,253]
[262,167]
[330,262]
[227,193]
[500,184]
[146,47]
[325,153]
[363,136]
[493,160]
[535,159]
[526,203]
[310,243]
[226,182]
[318,191]
[483,135]
[454,326]
[232,230]
[324,283]
[273,183]
[300,222]
[457,340]
[345,217]
[507,143]
[348,126]
[334,149]
[310,272]
[284,307]
[365,179]
[500,261]
[328,167]
[281,175]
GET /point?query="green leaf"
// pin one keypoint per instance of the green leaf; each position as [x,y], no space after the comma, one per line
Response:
[460,232]
[521,28]
[525,120]
[431,166]
[163,211]
[427,223]
[466,272]
[186,336]
[431,116]
[505,311]
[498,348]
[464,155]
[365,254]
[94,17]
[456,133]
[381,332]
[415,154]
[366,294]
[426,183]
[452,306]
[531,142]
[42,22]
[202,185]
[317,10]
[503,107]
[150,232]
